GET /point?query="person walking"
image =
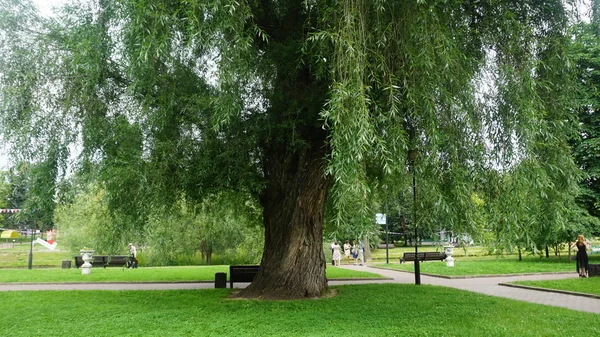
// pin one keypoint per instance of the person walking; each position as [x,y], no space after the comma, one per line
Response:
[582,258]
[347,248]
[355,252]
[361,254]
[132,262]
[337,255]
[332,260]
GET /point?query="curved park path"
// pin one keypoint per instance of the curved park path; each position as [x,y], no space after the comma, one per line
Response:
[485,285]
[493,286]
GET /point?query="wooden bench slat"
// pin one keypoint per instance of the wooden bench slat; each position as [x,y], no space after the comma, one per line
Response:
[423,256]
[244,273]
[103,261]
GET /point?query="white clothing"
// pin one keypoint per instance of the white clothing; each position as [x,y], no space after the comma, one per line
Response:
[337,256]
[361,254]
[347,249]
[132,251]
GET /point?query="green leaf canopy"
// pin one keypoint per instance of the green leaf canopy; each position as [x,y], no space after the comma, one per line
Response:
[293,101]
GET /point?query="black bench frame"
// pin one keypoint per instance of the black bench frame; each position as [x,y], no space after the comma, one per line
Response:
[424,256]
[242,274]
[103,261]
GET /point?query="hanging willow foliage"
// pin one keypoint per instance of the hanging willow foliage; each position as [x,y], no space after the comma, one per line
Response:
[297,102]
[472,86]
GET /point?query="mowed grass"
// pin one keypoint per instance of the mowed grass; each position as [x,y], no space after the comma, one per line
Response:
[365,310]
[19,257]
[581,285]
[494,266]
[142,274]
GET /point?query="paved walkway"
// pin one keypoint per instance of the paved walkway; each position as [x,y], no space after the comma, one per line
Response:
[485,285]
[491,286]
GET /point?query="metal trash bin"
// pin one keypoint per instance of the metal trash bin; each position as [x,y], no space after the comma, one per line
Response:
[220,280]
[66,264]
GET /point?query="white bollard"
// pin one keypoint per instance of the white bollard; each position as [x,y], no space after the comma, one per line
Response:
[86,267]
[449,250]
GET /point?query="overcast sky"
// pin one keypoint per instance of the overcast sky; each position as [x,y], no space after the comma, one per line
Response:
[45,6]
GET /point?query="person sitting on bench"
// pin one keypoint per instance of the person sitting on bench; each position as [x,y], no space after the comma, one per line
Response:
[132,261]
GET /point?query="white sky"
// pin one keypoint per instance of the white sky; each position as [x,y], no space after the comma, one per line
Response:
[45,6]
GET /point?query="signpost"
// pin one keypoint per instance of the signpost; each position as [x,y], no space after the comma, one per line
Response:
[380,219]
[32,235]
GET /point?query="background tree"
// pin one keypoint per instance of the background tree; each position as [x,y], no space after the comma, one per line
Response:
[5,191]
[86,223]
[14,191]
[224,225]
[586,144]
[290,101]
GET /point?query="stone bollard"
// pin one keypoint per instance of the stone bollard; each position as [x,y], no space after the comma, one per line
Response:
[86,267]
[449,250]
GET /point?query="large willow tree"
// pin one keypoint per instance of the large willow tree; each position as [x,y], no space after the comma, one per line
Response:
[294,101]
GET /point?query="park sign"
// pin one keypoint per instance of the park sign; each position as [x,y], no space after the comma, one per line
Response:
[380,219]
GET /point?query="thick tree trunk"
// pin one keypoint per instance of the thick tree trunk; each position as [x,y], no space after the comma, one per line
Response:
[293,262]
[367,251]
[294,158]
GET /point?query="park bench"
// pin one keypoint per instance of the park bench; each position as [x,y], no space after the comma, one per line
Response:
[593,270]
[423,256]
[104,261]
[242,274]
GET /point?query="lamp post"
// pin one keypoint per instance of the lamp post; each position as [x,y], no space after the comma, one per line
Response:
[32,234]
[412,154]
[387,245]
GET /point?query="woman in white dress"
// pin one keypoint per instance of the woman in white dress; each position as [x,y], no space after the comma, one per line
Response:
[347,248]
[337,255]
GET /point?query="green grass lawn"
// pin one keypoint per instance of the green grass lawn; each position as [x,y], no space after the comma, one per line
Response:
[365,310]
[143,274]
[581,285]
[494,266]
[42,257]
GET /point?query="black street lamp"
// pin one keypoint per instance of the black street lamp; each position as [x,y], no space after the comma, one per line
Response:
[412,154]
[387,245]
[32,234]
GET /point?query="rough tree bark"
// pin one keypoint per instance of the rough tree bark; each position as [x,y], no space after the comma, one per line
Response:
[293,261]
[294,152]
